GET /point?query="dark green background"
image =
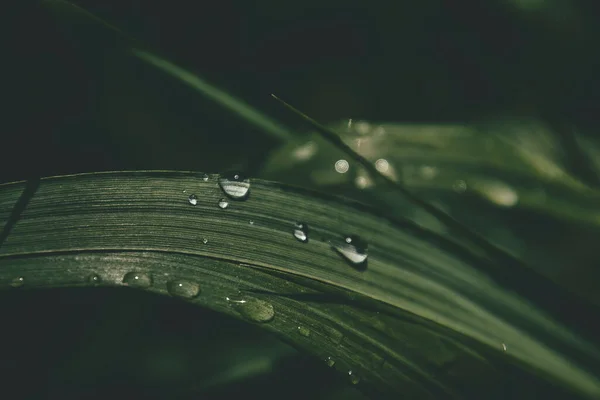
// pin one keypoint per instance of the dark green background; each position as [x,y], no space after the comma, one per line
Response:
[73,101]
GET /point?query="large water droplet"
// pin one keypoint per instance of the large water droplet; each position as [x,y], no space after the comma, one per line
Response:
[223,203]
[204,241]
[137,279]
[304,331]
[94,279]
[330,362]
[193,199]
[185,289]
[235,185]
[252,309]
[17,282]
[301,232]
[354,379]
[354,249]
[205,177]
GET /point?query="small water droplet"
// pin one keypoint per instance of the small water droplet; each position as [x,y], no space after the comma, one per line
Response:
[137,279]
[301,232]
[304,331]
[504,346]
[205,177]
[459,186]
[18,282]
[204,240]
[354,379]
[223,203]
[330,362]
[252,309]
[185,289]
[251,222]
[354,249]
[193,199]
[382,165]
[235,185]
[94,279]
[341,166]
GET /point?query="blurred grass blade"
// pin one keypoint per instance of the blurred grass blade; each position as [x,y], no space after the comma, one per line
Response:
[228,101]
[233,104]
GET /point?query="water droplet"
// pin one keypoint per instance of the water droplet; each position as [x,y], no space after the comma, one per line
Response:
[301,232]
[251,222]
[428,172]
[193,199]
[354,249]
[354,379]
[137,279]
[459,186]
[223,203]
[205,177]
[341,166]
[498,193]
[252,309]
[304,331]
[504,346]
[94,279]
[204,240]
[382,165]
[330,362]
[18,282]
[305,152]
[235,185]
[185,289]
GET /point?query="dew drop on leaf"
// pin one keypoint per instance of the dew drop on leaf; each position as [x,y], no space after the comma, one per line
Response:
[301,232]
[330,362]
[223,203]
[304,331]
[18,282]
[353,248]
[94,279]
[184,289]
[235,185]
[205,177]
[193,199]
[137,279]
[252,309]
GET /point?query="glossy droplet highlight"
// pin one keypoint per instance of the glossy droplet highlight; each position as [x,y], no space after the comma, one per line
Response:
[252,309]
[17,282]
[353,248]
[137,279]
[223,203]
[304,331]
[193,199]
[341,166]
[330,362]
[94,279]
[354,379]
[301,232]
[235,185]
[205,177]
[204,241]
[184,289]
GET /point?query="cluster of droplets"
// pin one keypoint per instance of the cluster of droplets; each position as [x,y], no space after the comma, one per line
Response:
[177,288]
[236,187]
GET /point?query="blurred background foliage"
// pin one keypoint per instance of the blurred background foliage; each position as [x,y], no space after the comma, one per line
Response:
[486,109]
